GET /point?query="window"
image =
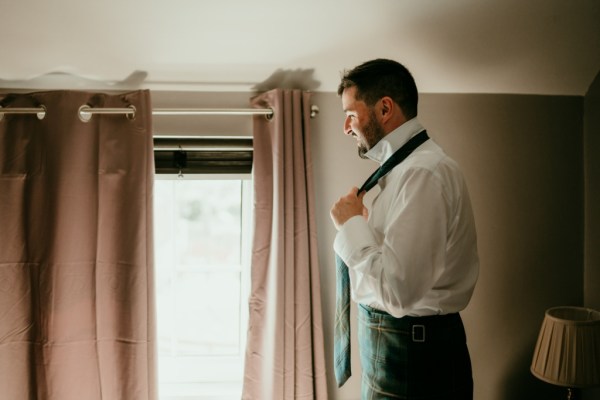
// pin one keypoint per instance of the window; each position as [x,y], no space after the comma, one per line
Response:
[202,226]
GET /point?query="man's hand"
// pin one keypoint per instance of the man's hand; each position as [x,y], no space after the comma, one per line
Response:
[347,207]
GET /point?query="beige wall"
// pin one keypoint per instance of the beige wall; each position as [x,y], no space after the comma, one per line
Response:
[522,156]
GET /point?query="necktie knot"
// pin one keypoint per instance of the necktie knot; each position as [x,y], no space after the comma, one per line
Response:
[395,159]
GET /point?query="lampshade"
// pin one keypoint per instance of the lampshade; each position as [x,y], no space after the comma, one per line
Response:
[567,352]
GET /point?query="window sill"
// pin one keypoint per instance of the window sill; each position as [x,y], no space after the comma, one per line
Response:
[201,391]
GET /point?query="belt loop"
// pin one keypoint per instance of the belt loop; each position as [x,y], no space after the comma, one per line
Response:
[418,333]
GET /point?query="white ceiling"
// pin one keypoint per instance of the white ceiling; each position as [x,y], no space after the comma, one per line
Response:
[455,46]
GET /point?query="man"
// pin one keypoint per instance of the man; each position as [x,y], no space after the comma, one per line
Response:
[412,258]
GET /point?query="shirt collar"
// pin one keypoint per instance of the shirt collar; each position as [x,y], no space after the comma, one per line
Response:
[394,140]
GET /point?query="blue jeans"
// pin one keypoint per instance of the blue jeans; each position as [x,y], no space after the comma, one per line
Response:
[423,358]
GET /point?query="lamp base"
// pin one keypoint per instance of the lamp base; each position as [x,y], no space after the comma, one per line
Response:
[573,394]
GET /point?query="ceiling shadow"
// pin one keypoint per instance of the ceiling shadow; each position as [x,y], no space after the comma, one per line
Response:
[66,80]
[289,79]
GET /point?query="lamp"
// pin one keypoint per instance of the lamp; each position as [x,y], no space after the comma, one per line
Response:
[567,352]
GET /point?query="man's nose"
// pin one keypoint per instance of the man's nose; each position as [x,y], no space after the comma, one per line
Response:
[347,129]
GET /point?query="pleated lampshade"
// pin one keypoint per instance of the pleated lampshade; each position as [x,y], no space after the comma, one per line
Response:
[567,352]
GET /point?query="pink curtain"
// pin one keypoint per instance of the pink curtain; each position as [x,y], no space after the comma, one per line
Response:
[284,356]
[76,281]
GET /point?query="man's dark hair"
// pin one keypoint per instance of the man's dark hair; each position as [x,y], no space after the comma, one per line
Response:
[378,78]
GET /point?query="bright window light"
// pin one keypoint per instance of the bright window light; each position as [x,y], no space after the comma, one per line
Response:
[201,230]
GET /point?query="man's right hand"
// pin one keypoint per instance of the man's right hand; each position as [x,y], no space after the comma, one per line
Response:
[348,206]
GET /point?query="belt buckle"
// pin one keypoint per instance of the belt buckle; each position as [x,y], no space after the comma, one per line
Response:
[418,333]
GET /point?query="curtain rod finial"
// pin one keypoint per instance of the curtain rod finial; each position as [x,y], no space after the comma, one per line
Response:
[314,110]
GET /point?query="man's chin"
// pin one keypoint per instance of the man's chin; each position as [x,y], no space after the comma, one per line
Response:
[362,152]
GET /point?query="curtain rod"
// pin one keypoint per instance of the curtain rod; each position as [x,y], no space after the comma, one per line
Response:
[85,112]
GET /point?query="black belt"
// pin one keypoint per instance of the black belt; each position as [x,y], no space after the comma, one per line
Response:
[420,329]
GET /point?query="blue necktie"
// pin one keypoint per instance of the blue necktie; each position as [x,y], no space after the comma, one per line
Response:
[341,349]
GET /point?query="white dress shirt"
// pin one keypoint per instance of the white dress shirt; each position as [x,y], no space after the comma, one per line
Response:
[417,253]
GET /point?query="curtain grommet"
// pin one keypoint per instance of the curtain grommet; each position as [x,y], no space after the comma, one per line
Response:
[83,114]
[270,115]
[131,116]
[42,114]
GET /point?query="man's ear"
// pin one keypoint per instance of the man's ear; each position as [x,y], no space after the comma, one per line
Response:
[387,108]
[391,114]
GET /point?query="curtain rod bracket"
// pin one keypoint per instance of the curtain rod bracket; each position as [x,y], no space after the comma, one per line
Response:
[314,110]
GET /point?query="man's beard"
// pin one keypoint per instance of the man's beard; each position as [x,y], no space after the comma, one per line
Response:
[372,133]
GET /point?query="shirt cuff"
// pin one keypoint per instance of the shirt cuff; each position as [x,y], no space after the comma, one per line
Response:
[352,238]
